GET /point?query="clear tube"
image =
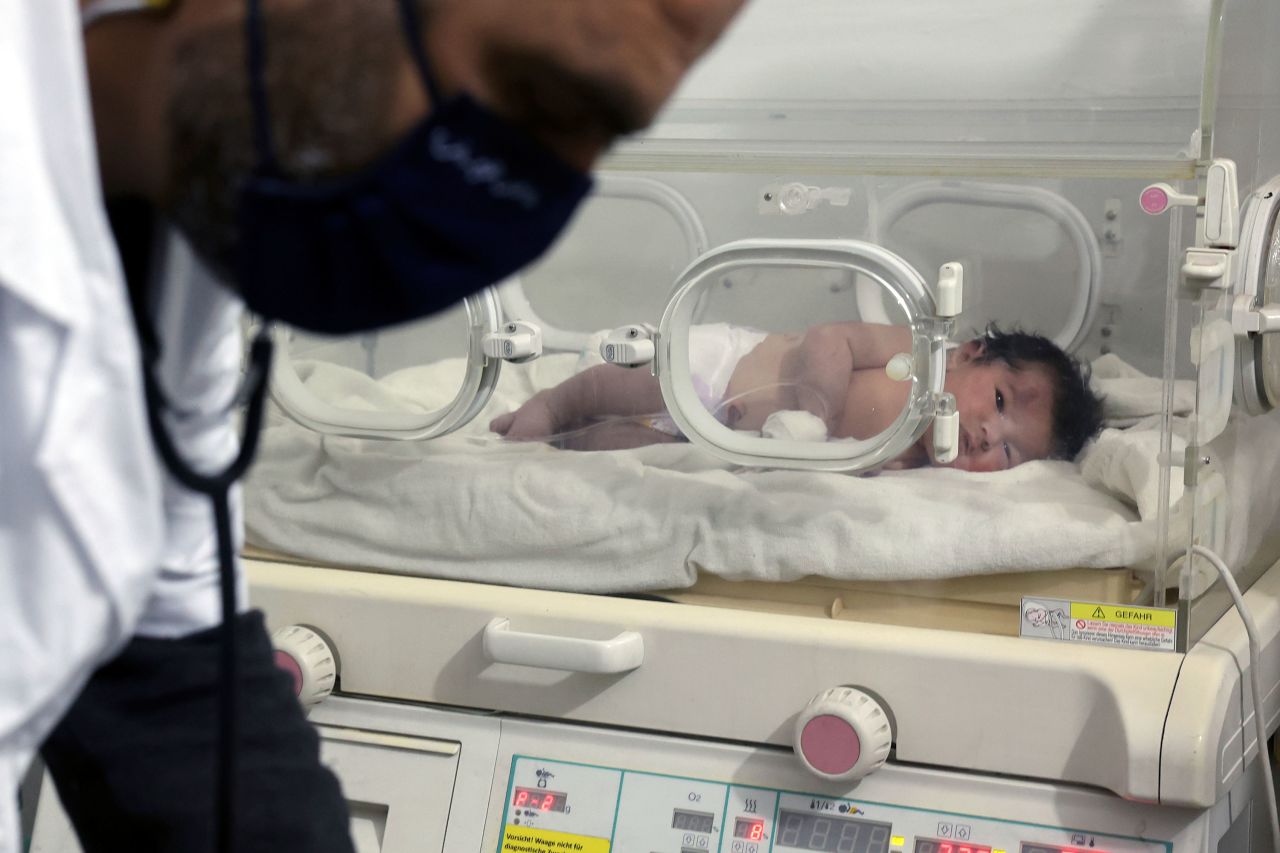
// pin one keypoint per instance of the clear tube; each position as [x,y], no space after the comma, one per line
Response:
[559,438]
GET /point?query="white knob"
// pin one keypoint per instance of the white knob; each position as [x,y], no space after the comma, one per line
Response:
[843,734]
[900,367]
[307,658]
[1157,198]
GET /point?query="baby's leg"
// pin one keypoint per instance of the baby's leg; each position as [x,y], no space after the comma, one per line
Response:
[598,392]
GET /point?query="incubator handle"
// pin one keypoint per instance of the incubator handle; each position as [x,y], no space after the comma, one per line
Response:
[623,653]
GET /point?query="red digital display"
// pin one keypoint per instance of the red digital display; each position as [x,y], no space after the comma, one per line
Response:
[750,828]
[540,799]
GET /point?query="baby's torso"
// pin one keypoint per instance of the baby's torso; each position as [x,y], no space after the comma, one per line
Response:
[872,404]
[761,382]
[764,383]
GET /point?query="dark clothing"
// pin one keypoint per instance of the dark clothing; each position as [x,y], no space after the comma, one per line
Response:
[133,760]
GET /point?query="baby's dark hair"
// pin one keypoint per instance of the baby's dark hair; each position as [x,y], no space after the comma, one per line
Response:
[1077,411]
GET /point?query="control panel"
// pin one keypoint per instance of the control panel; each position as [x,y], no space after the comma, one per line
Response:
[565,807]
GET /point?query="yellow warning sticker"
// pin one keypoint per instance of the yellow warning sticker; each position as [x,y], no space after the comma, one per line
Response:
[525,839]
[1122,625]
[1125,614]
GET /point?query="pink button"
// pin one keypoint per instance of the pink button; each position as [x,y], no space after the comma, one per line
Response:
[1154,200]
[830,744]
[289,665]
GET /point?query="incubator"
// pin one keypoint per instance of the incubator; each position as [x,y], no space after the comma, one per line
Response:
[757,617]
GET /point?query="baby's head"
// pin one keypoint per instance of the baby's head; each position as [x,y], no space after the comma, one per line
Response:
[1020,397]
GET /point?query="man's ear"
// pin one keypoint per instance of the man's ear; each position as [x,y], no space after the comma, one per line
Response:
[967,352]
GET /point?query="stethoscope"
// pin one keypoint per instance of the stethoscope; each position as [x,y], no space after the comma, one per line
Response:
[217,487]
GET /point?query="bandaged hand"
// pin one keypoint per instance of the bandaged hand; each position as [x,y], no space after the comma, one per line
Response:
[794,425]
[575,73]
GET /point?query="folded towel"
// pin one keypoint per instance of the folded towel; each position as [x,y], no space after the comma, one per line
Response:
[1125,463]
[1129,395]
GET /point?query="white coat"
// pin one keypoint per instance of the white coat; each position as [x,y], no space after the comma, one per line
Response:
[80,508]
[86,555]
[198,322]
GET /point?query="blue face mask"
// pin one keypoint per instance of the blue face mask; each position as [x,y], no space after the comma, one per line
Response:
[462,202]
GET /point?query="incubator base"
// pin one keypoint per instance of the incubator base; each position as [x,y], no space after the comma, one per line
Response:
[1000,743]
[424,779]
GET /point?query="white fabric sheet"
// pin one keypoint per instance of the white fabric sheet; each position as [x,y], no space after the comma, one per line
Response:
[471,507]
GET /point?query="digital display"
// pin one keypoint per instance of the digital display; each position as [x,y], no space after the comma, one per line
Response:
[832,834]
[540,799]
[1031,847]
[750,828]
[692,821]
[940,845]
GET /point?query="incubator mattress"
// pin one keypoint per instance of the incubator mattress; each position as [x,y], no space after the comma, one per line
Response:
[470,507]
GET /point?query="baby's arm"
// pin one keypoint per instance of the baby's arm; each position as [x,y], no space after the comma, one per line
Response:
[601,391]
[608,390]
[829,354]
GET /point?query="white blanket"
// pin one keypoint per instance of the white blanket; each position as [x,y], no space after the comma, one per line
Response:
[471,507]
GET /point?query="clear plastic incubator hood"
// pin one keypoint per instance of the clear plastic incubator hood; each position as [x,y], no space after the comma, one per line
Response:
[755,430]
[900,176]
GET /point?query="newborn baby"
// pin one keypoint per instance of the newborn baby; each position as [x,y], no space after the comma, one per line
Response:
[1019,396]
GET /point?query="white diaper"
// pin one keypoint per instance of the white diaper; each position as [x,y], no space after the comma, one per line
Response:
[714,352]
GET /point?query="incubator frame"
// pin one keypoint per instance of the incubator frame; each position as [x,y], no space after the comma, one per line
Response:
[483,316]
[902,281]
[1258,359]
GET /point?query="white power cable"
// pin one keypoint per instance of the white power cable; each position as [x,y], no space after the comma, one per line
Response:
[1255,687]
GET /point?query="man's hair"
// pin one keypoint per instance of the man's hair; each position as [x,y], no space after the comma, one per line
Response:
[330,75]
[1077,411]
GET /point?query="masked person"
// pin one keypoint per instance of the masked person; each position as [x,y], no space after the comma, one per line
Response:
[341,164]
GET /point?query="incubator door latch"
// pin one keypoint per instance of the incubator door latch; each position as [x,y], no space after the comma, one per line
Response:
[518,342]
[950,295]
[1249,318]
[1219,224]
[630,346]
[946,430]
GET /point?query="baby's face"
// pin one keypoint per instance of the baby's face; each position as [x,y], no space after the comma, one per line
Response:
[1006,415]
